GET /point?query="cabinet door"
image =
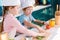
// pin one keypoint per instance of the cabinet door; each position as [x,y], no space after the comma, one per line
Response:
[43,14]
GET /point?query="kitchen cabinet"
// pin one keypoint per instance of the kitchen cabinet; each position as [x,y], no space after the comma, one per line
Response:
[44,13]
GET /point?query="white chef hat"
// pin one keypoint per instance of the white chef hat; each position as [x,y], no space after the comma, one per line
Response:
[27,3]
[10,2]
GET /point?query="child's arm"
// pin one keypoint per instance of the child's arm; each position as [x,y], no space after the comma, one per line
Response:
[14,23]
[22,29]
[42,31]
[39,21]
[29,24]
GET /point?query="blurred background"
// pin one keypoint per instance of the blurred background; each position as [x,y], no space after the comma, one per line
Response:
[48,10]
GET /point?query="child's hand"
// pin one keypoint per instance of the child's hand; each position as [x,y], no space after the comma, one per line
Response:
[43,34]
[47,33]
[45,23]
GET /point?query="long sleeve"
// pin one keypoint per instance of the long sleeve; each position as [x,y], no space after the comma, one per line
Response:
[11,22]
[22,29]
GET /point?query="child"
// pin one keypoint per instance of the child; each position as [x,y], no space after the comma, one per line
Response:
[26,18]
[10,9]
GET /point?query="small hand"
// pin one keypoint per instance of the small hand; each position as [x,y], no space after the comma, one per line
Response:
[46,23]
[47,33]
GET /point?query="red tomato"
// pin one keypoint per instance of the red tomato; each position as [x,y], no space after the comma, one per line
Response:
[48,27]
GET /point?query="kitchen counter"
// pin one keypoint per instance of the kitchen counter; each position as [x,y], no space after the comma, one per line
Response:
[55,32]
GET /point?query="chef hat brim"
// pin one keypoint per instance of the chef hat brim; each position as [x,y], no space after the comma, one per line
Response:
[10,2]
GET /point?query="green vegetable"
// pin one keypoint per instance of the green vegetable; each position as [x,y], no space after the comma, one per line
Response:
[11,39]
[40,37]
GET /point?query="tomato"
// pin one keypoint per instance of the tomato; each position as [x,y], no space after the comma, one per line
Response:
[48,27]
